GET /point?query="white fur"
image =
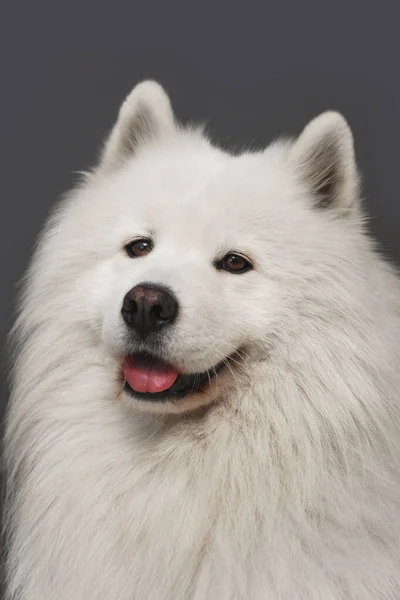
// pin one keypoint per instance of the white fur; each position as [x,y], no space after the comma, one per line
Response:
[283,482]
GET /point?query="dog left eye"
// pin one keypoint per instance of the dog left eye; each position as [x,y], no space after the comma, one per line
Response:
[234,263]
[139,248]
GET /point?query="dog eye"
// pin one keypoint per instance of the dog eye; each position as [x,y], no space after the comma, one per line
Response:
[234,263]
[139,248]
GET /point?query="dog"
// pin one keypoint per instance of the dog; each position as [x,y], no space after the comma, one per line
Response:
[205,377]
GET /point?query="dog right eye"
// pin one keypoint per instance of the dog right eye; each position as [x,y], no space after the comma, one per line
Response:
[139,248]
[234,263]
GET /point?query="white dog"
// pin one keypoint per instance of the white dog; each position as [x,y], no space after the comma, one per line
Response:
[206,388]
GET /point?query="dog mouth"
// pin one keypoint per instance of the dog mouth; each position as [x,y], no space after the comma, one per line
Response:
[149,378]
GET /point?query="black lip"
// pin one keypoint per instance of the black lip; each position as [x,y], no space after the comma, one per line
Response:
[183,386]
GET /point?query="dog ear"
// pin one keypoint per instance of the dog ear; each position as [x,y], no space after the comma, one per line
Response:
[323,156]
[145,115]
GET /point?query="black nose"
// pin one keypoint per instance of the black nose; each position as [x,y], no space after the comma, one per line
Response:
[147,308]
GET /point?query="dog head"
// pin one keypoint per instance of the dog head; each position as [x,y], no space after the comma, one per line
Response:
[201,260]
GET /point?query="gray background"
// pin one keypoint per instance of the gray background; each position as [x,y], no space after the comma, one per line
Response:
[250,70]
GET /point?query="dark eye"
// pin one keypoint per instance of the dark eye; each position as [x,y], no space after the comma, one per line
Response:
[139,248]
[234,263]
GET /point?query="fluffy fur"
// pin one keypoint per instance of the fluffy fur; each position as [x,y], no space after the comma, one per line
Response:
[282,481]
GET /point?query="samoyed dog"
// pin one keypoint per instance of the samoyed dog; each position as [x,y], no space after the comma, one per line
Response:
[206,377]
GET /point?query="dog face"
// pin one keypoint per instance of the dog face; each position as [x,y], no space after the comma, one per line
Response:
[200,259]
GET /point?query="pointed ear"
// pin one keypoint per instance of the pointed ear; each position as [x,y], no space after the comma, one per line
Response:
[145,115]
[323,157]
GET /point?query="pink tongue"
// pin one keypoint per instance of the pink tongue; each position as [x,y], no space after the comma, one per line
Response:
[145,375]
